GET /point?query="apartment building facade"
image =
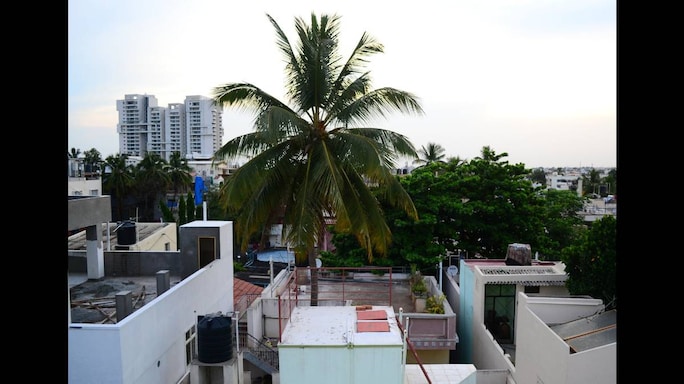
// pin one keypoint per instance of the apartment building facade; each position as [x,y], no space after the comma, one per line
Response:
[194,127]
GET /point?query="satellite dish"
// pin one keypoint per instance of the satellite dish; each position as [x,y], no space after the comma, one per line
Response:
[452,270]
[319,263]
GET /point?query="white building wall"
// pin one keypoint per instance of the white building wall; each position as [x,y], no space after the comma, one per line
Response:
[275,308]
[155,131]
[594,366]
[133,120]
[542,355]
[80,186]
[174,132]
[148,346]
[255,319]
[159,239]
[202,118]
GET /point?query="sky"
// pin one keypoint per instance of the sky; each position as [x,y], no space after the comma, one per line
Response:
[535,79]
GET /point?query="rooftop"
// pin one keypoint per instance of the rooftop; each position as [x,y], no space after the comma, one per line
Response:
[339,325]
[77,241]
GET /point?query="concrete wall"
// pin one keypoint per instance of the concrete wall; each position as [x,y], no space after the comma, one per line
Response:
[87,211]
[489,354]
[493,376]
[148,346]
[81,186]
[452,291]
[594,366]
[135,263]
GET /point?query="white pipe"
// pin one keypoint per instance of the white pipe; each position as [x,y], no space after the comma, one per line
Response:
[237,331]
[204,210]
[440,275]
[270,262]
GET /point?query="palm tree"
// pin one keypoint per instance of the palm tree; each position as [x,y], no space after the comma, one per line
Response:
[151,180]
[430,154]
[312,158]
[93,161]
[74,153]
[73,163]
[118,179]
[179,172]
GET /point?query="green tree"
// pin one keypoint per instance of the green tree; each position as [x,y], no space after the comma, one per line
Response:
[182,212]
[538,176]
[166,213]
[430,154]
[118,181]
[179,173]
[591,182]
[93,162]
[562,222]
[190,207]
[312,157]
[591,262]
[611,181]
[151,181]
[500,205]
[423,242]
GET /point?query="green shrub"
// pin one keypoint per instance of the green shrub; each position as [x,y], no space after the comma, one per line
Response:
[435,304]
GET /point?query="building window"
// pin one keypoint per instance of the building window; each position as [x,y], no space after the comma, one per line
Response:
[190,344]
[499,311]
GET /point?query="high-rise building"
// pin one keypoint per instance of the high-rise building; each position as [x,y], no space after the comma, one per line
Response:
[194,128]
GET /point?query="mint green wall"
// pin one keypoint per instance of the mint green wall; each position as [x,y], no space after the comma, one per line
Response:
[465,314]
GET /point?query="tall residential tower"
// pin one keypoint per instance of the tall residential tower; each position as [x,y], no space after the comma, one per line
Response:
[194,128]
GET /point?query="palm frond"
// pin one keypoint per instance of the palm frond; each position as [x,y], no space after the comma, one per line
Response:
[378,104]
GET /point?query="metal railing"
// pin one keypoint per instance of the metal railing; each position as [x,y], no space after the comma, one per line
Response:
[262,351]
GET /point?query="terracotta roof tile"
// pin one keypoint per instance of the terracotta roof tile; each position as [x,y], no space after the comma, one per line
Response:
[242,287]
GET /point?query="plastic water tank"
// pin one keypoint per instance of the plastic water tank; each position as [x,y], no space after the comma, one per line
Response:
[126,235]
[214,338]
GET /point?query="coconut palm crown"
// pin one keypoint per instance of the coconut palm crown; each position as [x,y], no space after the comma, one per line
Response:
[315,157]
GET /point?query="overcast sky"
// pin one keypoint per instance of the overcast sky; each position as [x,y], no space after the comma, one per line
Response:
[532,78]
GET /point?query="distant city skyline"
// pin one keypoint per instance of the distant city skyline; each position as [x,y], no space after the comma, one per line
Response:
[536,79]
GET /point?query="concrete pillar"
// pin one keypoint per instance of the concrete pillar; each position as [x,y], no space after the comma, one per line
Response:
[94,252]
[124,304]
[163,281]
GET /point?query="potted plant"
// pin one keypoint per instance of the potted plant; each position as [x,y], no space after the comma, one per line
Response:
[435,304]
[419,293]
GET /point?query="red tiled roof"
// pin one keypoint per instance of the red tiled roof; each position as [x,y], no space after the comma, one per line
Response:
[241,287]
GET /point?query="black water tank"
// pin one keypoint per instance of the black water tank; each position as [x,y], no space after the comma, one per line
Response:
[126,235]
[214,338]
